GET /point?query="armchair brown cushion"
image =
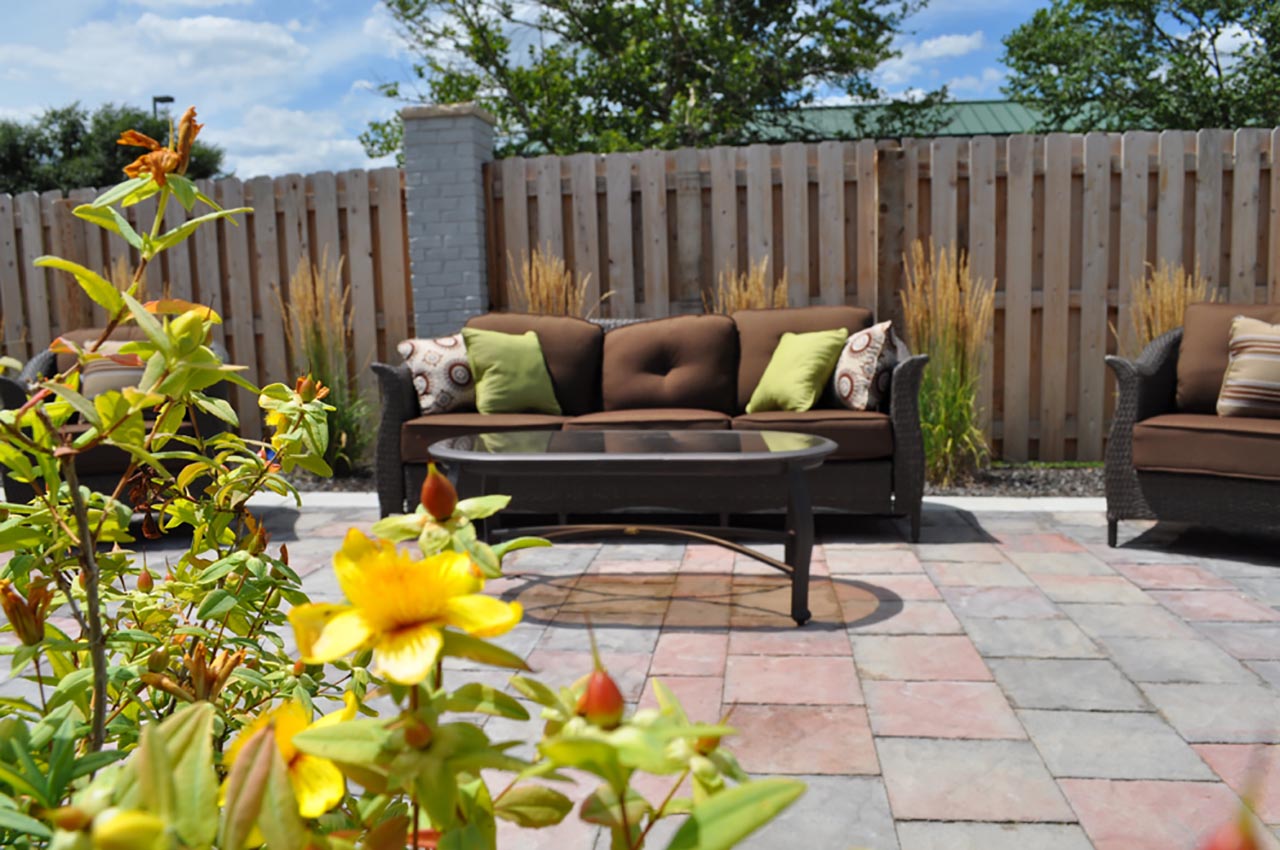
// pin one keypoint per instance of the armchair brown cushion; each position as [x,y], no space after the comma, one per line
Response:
[760,330]
[1202,355]
[682,361]
[1208,444]
[571,347]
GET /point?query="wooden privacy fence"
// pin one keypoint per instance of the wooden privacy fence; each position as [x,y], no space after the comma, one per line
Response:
[1065,224]
[242,272]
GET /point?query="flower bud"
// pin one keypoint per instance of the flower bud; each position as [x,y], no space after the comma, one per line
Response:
[146,581]
[417,734]
[116,829]
[70,818]
[601,703]
[299,667]
[309,389]
[158,660]
[438,495]
[27,615]
[707,745]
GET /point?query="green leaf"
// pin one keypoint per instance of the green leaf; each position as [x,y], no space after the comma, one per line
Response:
[183,189]
[119,191]
[102,291]
[535,691]
[182,231]
[721,821]
[602,807]
[82,405]
[474,696]
[278,819]
[501,550]
[218,408]
[479,507]
[533,806]
[220,601]
[398,527]
[356,742]
[150,761]
[222,566]
[23,825]
[589,754]
[481,554]
[246,786]
[460,645]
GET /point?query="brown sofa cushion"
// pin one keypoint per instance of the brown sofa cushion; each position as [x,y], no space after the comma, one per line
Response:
[1202,355]
[682,361]
[571,347]
[858,434]
[651,418]
[417,435]
[1207,444]
[760,330]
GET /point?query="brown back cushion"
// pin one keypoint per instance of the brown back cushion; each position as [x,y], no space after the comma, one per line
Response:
[1202,357]
[571,347]
[683,361]
[760,330]
[84,336]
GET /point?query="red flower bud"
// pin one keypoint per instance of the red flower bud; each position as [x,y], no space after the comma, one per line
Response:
[417,734]
[438,495]
[601,703]
[146,581]
[1235,835]
[299,667]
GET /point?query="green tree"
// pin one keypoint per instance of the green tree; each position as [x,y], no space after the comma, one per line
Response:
[1148,64]
[598,75]
[69,147]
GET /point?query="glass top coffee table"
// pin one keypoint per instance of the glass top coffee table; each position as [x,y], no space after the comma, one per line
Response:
[624,455]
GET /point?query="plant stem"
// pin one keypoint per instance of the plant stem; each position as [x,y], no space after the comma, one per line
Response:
[97,640]
[40,683]
[413,706]
[661,808]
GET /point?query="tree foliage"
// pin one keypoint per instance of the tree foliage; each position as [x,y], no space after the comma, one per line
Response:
[594,75]
[1149,64]
[69,147]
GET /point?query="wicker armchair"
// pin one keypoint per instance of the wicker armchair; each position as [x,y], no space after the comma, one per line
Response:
[1147,388]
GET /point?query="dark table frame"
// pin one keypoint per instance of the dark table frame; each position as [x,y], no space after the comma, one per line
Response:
[471,469]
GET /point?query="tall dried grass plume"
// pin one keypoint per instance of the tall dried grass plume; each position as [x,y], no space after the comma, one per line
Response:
[948,315]
[748,290]
[1160,299]
[318,335]
[542,283]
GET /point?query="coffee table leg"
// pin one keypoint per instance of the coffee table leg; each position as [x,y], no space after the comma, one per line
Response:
[799,546]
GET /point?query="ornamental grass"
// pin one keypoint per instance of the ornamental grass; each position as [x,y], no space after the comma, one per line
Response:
[748,290]
[948,316]
[1160,299]
[318,335]
[542,283]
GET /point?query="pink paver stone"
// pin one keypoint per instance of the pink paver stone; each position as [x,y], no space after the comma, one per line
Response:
[700,696]
[807,642]
[1152,815]
[919,657]
[1173,577]
[977,574]
[791,680]
[1214,605]
[892,585]
[940,710]
[634,567]
[1243,765]
[1039,543]
[690,654]
[915,618]
[803,739]
[857,561]
[1104,589]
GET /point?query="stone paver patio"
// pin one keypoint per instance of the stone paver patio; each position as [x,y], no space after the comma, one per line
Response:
[1009,682]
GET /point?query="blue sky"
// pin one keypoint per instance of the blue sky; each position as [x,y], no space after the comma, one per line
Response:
[286,85]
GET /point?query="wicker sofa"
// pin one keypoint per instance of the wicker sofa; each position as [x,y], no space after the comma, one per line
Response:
[679,373]
[1170,456]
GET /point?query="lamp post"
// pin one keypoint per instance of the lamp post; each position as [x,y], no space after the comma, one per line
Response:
[158,99]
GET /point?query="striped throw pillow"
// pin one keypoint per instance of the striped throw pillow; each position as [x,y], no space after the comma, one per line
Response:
[1251,385]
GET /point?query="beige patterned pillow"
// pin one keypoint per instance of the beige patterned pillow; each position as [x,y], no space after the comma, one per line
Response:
[1251,385]
[859,367]
[441,373]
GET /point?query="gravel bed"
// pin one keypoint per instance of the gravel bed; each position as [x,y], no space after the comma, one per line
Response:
[1023,481]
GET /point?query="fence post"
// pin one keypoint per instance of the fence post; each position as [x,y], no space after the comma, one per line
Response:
[445,148]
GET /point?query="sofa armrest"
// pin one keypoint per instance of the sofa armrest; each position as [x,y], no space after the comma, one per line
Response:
[1146,387]
[908,442]
[399,404]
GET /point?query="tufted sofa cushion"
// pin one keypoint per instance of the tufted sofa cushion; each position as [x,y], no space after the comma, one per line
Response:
[682,361]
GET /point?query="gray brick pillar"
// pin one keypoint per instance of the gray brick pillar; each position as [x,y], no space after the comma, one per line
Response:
[444,149]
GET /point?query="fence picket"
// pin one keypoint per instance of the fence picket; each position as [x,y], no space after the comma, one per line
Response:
[1056,315]
[1017,299]
[653,201]
[1134,192]
[586,236]
[621,250]
[982,256]
[1273,239]
[550,206]
[35,287]
[795,222]
[1173,171]
[867,272]
[724,212]
[1208,224]
[11,292]
[393,264]
[1096,233]
[364,302]
[831,222]
[687,288]
[261,195]
[760,207]
[1244,216]
[239,305]
[943,192]
[515,221]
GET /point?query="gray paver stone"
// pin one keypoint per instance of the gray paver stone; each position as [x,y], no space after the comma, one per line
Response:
[1101,745]
[1174,660]
[1086,685]
[1031,639]
[1219,713]
[992,836]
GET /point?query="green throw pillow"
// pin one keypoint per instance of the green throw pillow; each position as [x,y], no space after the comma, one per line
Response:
[798,371]
[510,373]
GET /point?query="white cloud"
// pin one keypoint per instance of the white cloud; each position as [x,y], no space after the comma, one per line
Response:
[986,84]
[278,141]
[188,4]
[915,56]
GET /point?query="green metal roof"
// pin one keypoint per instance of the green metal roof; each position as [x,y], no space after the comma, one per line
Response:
[960,118]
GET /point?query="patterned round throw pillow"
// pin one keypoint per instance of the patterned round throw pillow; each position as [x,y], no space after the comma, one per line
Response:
[857,369]
[441,373]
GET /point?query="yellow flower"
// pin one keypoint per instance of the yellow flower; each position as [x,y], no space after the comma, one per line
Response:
[399,606]
[317,784]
